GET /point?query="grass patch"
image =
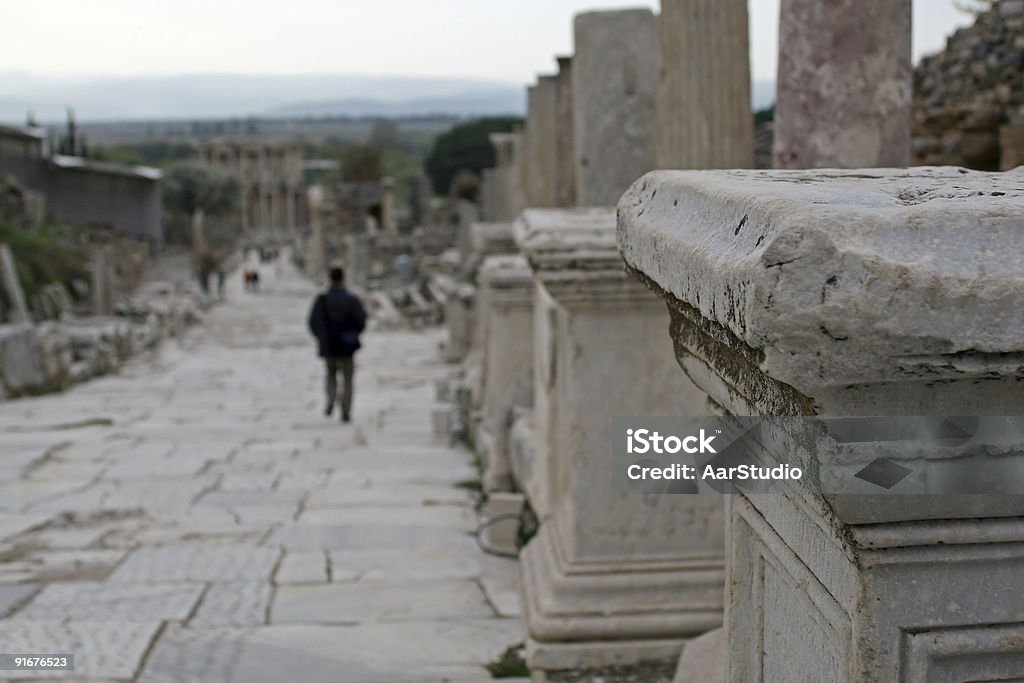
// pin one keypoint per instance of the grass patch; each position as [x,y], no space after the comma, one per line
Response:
[42,257]
[510,664]
[473,485]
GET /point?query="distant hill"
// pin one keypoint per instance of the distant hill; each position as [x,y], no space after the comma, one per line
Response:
[214,96]
[226,96]
[470,103]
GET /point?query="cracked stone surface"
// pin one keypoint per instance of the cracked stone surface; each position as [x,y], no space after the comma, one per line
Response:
[196,518]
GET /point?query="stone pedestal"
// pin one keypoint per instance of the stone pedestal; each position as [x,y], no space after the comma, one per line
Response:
[704,111]
[879,293]
[609,578]
[845,84]
[614,81]
[506,290]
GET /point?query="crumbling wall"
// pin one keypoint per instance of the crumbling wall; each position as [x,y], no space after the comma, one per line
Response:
[965,95]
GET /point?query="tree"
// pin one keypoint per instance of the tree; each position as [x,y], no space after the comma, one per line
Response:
[466,147]
[975,7]
[197,192]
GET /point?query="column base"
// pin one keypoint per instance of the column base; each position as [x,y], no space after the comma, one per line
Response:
[618,612]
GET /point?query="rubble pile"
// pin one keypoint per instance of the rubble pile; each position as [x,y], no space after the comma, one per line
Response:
[967,94]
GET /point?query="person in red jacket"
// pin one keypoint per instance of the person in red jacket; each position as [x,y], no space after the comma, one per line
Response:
[336,320]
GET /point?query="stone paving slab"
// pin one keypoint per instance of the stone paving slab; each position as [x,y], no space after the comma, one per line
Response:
[239,603]
[100,601]
[14,595]
[366,601]
[303,566]
[456,562]
[398,495]
[208,561]
[59,565]
[102,649]
[442,516]
[421,652]
[359,537]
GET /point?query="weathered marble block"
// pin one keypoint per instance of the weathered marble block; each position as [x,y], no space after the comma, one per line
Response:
[506,284]
[614,84]
[852,293]
[609,578]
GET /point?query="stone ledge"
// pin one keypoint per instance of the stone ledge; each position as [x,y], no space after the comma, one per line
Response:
[561,239]
[909,274]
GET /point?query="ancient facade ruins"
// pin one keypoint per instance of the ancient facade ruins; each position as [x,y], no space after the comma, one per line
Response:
[270,182]
[614,291]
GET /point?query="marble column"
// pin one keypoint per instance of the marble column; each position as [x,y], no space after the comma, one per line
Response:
[614,81]
[540,155]
[388,222]
[704,111]
[509,196]
[859,293]
[565,148]
[488,195]
[289,208]
[609,578]
[845,84]
[317,249]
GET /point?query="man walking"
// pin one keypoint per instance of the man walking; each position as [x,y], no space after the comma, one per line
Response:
[336,319]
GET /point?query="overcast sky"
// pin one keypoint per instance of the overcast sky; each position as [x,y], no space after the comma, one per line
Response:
[510,40]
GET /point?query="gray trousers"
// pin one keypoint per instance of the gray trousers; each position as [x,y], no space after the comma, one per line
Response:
[346,366]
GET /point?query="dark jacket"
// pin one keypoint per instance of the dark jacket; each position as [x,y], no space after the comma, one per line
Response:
[336,319]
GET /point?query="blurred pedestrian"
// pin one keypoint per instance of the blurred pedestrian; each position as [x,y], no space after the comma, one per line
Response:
[336,320]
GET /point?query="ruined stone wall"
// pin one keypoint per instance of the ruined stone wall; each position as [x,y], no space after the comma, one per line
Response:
[965,94]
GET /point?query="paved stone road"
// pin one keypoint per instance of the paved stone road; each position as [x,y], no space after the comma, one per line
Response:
[197,518]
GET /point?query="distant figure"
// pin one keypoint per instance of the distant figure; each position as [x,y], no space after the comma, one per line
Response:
[336,320]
